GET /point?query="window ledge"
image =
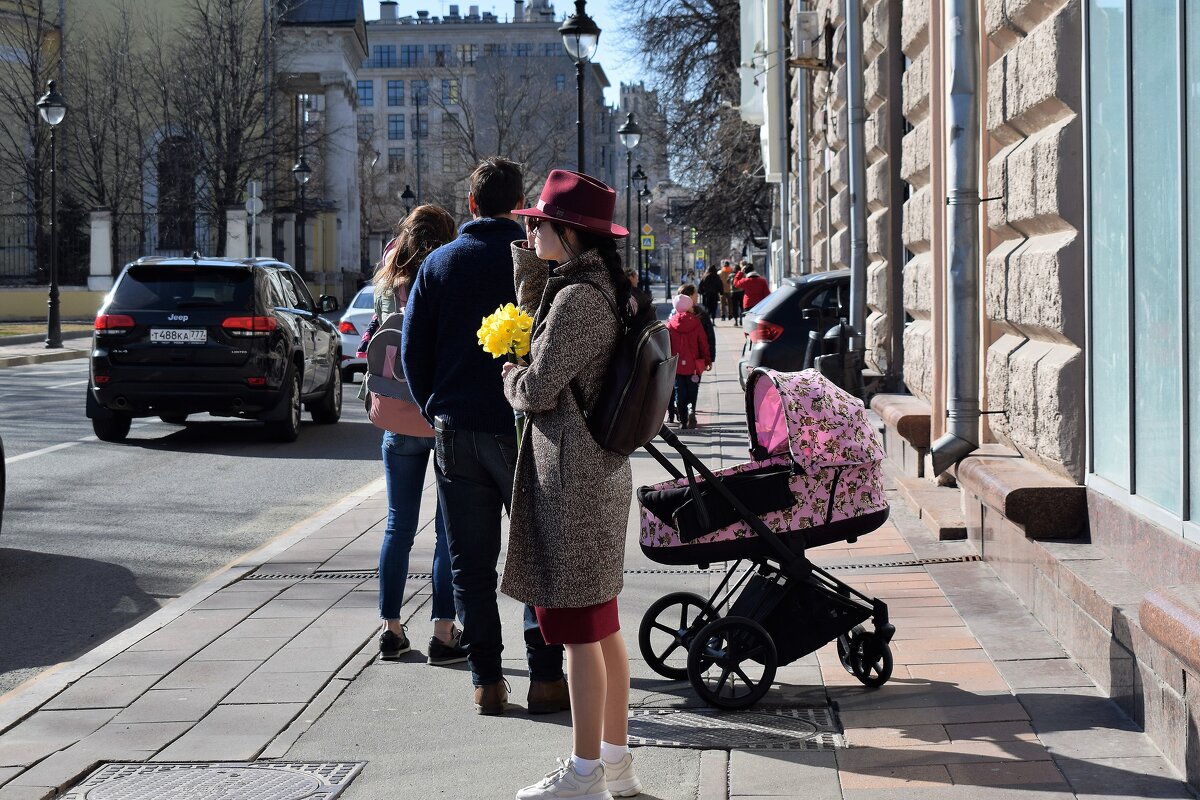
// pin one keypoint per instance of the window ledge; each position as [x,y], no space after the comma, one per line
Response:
[908,415]
[1171,616]
[1045,505]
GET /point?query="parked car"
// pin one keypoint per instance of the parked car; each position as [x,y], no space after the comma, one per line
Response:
[3,481]
[351,327]
[777,327]
[230,337]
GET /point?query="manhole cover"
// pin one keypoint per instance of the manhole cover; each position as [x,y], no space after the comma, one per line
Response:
[217,781]
[708,729]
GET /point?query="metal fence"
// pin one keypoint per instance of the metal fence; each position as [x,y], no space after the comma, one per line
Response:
[25,253]
[18,246]
[137,235]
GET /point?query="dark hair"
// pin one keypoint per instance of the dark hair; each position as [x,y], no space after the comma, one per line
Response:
[497,186]
[688,288]
[606,248]
[425,229]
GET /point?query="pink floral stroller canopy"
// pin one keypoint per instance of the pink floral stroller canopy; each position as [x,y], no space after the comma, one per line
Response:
[816,477]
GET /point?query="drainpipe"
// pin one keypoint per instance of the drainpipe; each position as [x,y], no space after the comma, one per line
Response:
[857,155]
[803,187]
[785,199]
[962,235]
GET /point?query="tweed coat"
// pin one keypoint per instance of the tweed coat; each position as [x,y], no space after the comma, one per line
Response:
[571,498]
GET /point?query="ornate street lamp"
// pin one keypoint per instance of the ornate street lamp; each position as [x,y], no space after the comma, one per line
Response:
[630,135]
[639,179]
[302,172]
[408,197]
[53,110]
[581,37]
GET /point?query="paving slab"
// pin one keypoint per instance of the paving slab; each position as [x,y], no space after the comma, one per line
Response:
[242,648]
[779,773]
[145,662]
[1123,777]
[102,692]
[208,674]
[714,775]
[173,705]
[1043,673]
[279,687]
[231,733]
[46,732]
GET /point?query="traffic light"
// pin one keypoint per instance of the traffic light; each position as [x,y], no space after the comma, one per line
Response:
[693,236]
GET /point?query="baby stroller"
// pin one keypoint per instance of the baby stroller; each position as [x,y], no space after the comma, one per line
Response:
[815,478]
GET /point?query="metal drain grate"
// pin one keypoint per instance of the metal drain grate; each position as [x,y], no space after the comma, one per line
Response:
[709,729]
[913,562]
[323,576]
[284,780]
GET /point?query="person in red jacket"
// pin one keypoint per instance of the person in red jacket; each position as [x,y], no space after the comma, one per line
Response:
[754,285]
[690,344]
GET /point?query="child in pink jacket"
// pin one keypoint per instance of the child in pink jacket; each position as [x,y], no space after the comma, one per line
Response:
[690,344]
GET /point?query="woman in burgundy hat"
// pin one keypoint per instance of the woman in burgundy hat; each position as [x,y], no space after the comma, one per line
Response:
[571,497]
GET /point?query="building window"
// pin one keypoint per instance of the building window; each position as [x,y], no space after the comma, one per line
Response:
[385,55]
[496,49]
[420,93]
[412,55]
[450,91]
[553,49]
[439,54]
[366,94]
[525,49]
[395,126]
[420,126]
[395,91]
[560,82]
[395,159]
[448,161]
[449,122]
[466,53]
[1144,175]
[366,126]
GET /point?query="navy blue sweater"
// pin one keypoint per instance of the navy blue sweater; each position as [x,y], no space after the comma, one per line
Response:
[456,287]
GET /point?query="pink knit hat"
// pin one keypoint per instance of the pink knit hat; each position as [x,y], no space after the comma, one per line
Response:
[682,303]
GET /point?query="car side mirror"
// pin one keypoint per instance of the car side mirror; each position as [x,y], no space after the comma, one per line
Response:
[328,303]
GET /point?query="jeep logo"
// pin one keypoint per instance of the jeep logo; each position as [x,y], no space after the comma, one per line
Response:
[177,317]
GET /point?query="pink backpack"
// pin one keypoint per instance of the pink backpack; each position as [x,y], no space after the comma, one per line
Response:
[391,405]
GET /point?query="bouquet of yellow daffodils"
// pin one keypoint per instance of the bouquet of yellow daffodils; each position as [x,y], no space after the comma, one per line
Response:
[506,332]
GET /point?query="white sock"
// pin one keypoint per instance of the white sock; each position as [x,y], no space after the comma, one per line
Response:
[613,753]
[584,766]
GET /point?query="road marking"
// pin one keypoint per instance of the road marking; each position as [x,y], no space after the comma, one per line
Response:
[54,448]
[65,385]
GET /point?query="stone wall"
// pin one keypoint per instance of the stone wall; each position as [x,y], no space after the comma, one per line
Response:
[830,173]
[1034,271]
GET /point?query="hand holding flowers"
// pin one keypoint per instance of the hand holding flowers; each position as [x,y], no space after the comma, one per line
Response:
[506,332]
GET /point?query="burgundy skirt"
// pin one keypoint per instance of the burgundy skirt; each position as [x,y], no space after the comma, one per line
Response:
[578,625]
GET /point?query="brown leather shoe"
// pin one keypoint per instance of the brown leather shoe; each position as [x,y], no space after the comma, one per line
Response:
[548,697]
[491,698]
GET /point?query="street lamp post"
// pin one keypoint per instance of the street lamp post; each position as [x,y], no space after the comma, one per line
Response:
[630,135]
[408,197]
[53,110]
[639,179]
[581,37]
[417,136]
[302,172]
[644,196]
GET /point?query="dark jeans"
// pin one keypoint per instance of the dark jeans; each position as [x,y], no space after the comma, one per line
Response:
[475,479]
[736,299]
[686,392]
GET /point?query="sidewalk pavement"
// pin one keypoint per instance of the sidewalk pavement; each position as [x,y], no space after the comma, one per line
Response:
[272,660]
[19,351]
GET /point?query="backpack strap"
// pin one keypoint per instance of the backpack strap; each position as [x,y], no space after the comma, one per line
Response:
[612,304]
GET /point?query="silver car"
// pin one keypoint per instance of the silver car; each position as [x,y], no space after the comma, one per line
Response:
[352,326]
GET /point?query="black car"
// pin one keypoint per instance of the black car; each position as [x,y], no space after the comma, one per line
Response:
[2,484]
[231,337]
[777,329]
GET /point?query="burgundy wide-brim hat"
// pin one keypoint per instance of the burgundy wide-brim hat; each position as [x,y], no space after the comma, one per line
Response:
[578,200]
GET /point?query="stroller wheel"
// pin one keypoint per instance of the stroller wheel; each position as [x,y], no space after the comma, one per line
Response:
[732,662]
[870,660]
[844,644]
[667,629]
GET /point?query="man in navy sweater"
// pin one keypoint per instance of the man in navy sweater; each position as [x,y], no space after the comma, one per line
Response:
[458,387]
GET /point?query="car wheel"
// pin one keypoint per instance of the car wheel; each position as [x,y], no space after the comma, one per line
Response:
[288,428]
[328,409]
[112,427]
[347,375]
[173,419]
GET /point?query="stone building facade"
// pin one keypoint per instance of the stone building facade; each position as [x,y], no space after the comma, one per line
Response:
[1084,493]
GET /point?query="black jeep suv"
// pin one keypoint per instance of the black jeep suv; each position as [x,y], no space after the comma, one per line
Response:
[231,337]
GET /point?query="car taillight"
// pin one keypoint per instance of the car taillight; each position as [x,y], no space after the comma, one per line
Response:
[347,327]
[766,332]
[113,323]
[102,379]
[249,326]
[256,381]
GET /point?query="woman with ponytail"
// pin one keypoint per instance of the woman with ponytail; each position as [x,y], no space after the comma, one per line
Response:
[571,497]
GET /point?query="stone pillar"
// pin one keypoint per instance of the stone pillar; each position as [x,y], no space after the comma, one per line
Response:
[237,235]
[287,230]
[100,277]
[375,246]
[340,172]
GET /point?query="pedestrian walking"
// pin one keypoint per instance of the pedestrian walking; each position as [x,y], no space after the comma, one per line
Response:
[726,288]
[690,344]
[458,387]
[706,321]
[710,290]
[406,457]
[571,506]
[642,296]
[736,295]
[754,286]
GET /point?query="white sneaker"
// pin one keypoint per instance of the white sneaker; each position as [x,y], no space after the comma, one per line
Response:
[565,782]
[620,777]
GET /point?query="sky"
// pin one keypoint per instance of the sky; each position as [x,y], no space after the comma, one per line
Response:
[616,54]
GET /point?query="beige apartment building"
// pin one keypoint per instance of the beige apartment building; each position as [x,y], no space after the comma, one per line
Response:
[1082,484]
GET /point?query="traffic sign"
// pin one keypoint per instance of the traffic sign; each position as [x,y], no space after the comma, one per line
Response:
[700,253]
[254,206]
[647,242]
[647,229]
[699,264]
[254,188]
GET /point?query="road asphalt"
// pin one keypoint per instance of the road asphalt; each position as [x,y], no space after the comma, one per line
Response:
[272,662]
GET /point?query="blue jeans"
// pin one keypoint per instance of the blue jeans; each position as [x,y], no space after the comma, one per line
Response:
[404,461]
[475,480]
[686,392]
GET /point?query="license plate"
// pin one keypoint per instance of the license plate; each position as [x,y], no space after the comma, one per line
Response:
[178,335]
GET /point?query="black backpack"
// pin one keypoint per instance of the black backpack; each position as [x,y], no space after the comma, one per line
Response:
[637,386]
